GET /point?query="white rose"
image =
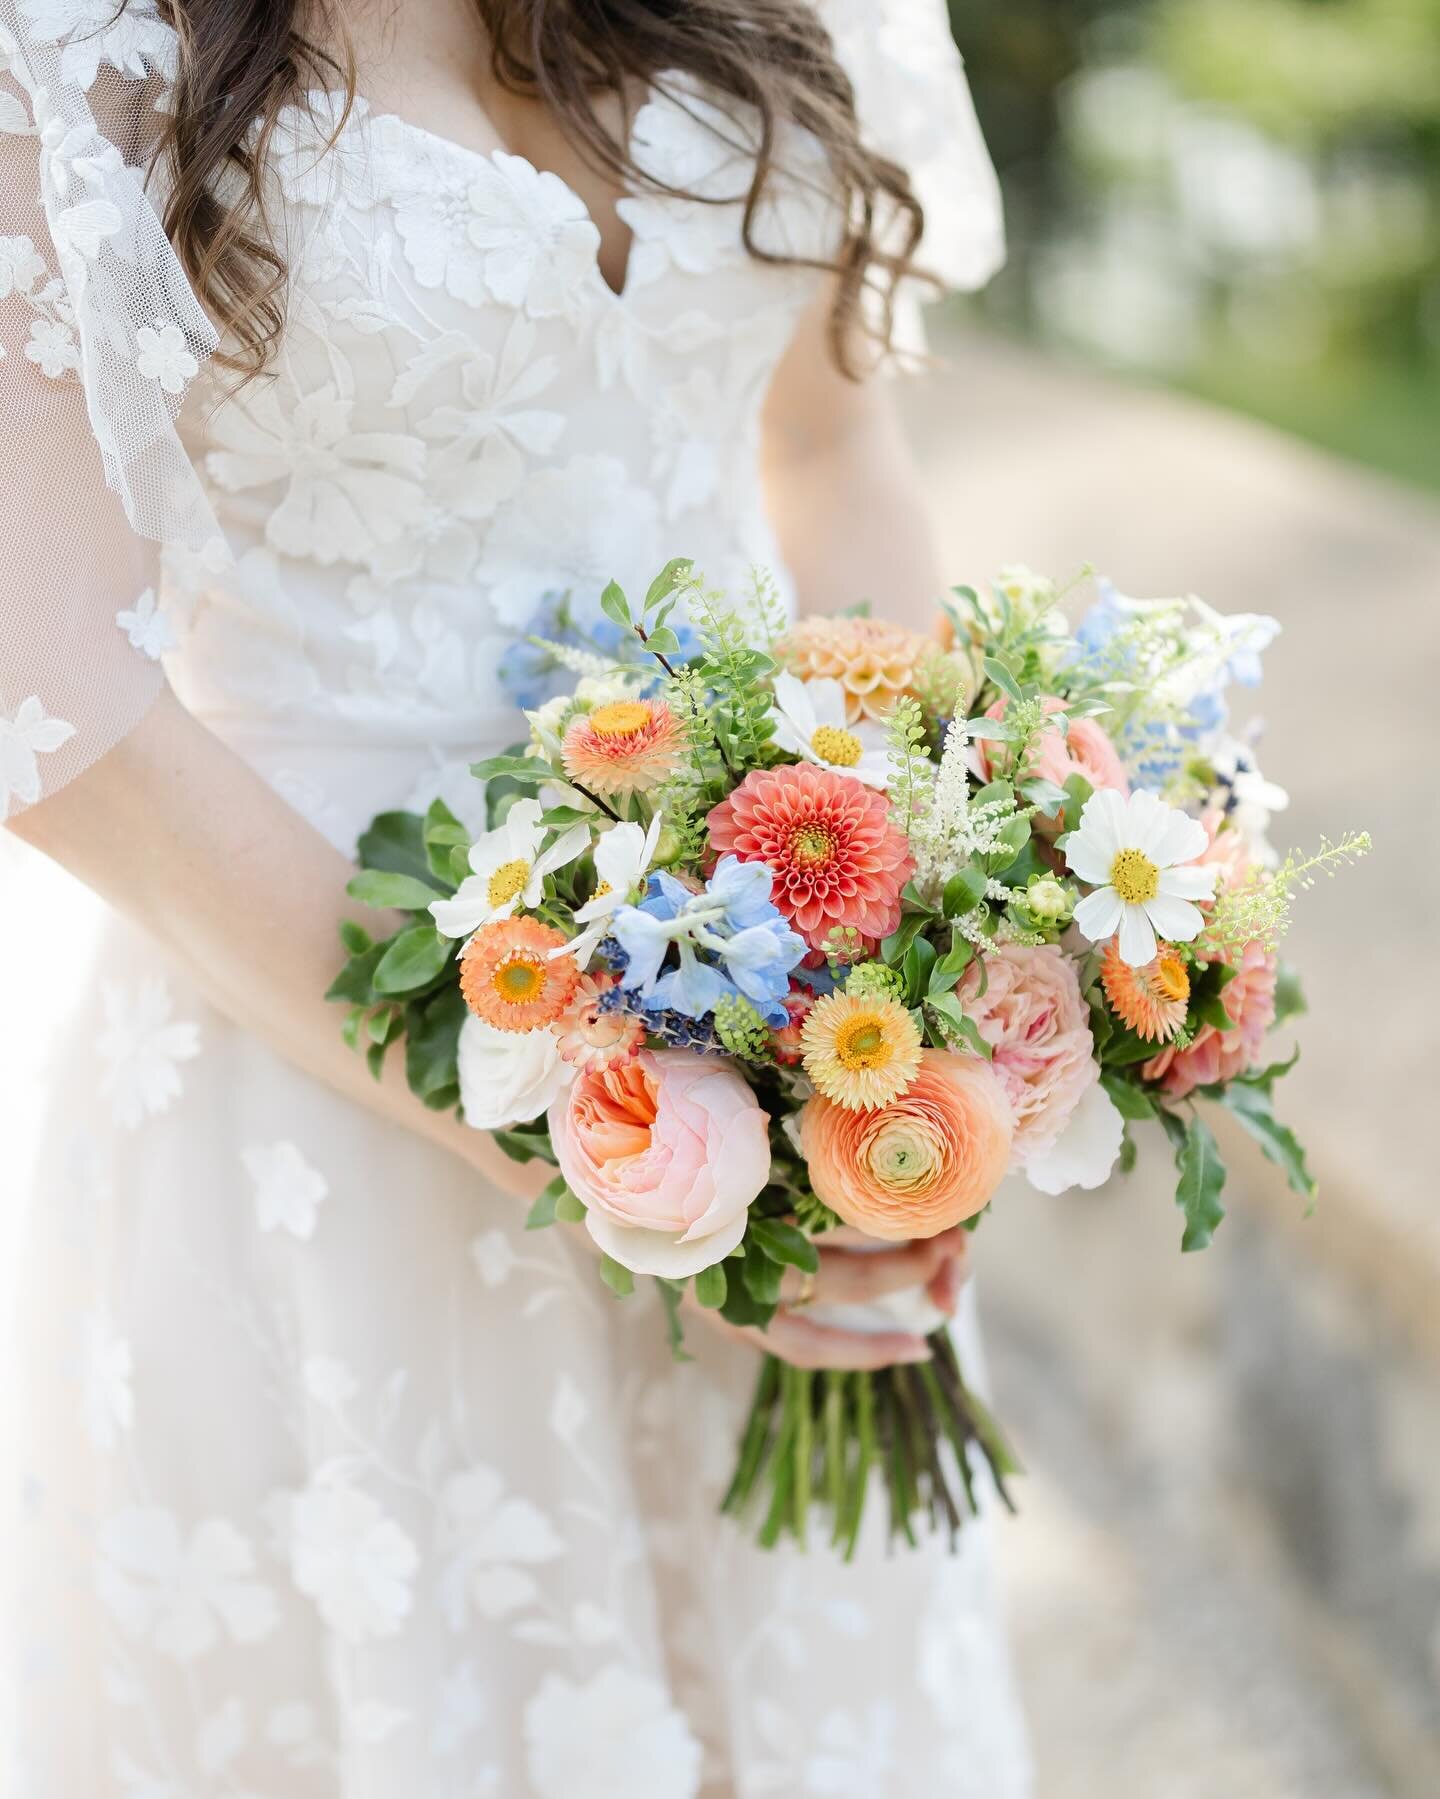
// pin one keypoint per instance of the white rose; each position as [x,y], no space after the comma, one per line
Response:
[1085,1152]
[508,1077]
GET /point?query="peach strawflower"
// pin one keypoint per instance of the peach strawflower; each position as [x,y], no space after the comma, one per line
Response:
[1249,1000]
[1152,1000]
[873,661]
[592,1038]
[930,1159]
[828,841]
[860,1052]
[623,746]
[509,977]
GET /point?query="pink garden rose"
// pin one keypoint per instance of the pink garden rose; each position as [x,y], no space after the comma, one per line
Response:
[1083,750]
[1033,1016]
[667,1152]
[1221,1055]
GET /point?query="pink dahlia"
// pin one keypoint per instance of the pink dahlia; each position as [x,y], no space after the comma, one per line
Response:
[1084,749]
[1221,1055]
[837,860]
[1033,1016]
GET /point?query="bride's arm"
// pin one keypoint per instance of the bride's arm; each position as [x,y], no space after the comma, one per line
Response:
[182,836]
[842,487]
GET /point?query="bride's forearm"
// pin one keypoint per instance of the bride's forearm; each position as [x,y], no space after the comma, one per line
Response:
[185,839]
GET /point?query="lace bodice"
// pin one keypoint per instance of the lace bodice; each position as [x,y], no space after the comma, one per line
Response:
[463,423]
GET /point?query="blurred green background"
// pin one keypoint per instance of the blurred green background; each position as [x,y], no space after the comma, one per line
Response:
[1239,198]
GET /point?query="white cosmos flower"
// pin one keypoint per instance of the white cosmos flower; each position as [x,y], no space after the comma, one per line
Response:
[508,870]
[622,858]
[1130,851]
[810,722]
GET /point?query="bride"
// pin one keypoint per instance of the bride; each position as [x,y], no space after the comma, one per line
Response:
[335,343]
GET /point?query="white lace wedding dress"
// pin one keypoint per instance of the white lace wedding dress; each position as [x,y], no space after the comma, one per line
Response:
[336,1483]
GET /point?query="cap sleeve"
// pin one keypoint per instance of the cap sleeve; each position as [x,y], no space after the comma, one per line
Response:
[100,336]
[915,107]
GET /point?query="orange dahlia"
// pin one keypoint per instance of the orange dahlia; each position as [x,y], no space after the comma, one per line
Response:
[591,1037]
[1152,1000]
[623,746]
[837,860]
[510,978]
[874,662]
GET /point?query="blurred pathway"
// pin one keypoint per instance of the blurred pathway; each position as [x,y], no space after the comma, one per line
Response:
[1228,1580]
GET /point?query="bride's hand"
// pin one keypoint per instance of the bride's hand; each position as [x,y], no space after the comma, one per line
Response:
[850,1275]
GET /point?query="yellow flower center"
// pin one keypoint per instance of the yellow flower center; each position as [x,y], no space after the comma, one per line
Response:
[812,844]
[841,749]
[1134,877]
[1172,977]
[519,979]
[621,718]
[601,891]
[508,880]
[862,1042]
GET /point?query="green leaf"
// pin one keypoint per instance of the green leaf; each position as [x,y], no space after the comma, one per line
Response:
[381,1026]
[671,1294]
[526,1145]
[711,1286]
[1078,792]
[350,1030]
[1043,794]
[444,1099]
[946,1006]
[964,892]
[1130,1101]
[542,1213]
[444,834]
[784,1243]
[1250,1104]
[919,960]
[662,641]
[669,578]
[893,949]
[615,606]
[1202,1177]
[381,889]
[513,768]
[354,937]
[570,1208]
[432,1042]
[761,1276]
[617,1277]
[413,960]
[991,730]
[1209,1008]
[395,842]
[375,1059]
[356,980]
[560,818]
[1002,678]
[1289,998]
[956,959]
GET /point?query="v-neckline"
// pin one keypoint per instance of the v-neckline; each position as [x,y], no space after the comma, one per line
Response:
[455,147]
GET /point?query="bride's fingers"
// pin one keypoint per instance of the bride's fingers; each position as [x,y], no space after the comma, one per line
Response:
[805,1345]
[945,1284]
[847,1277]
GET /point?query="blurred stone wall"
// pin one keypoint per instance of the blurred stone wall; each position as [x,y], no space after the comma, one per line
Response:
[1227,1577]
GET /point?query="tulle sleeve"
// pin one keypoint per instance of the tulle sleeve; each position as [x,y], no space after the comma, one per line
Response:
[915,107]
[100,335]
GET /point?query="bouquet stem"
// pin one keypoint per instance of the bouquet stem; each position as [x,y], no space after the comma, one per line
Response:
[815,1440]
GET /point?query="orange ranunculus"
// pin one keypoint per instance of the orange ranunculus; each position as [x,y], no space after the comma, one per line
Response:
[928,1160]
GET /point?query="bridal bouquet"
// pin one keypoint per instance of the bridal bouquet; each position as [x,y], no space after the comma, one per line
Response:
[777,928]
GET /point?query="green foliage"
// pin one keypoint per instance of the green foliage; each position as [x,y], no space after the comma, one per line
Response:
[542,1213]
[741,1029]
[1202,1177]
[911,771]
[395,843]
[374,887]
[617,1277]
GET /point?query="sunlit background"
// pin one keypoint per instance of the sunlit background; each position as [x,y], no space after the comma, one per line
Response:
[1212,364]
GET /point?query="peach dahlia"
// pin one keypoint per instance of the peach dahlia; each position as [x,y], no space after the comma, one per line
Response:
[873,661]
[837,860]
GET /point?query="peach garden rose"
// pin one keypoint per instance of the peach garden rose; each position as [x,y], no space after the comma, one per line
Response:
[667,1152]
[930,1159]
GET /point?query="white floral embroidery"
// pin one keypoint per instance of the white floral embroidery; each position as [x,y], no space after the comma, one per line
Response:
[494,1257]
[163,355]
[347,491]
[288,1191]
[350,1558]
[617,1736]
[108,1366]
[147,626]
[83,229]
[493,1540]
[20,267]
[537,240]
[141,1047]
[32,733]
[134,40]
[181,1595]
[221,1738]
[52,347]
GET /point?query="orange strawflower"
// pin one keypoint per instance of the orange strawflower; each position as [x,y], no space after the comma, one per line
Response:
[1152,1000]
[874,662]
[624,746]
[509,977]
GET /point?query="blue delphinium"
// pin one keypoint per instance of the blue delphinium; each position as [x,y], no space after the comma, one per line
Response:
[532,674]
[728,939]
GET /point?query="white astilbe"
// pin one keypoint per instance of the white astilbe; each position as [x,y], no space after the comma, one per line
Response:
[953,830]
